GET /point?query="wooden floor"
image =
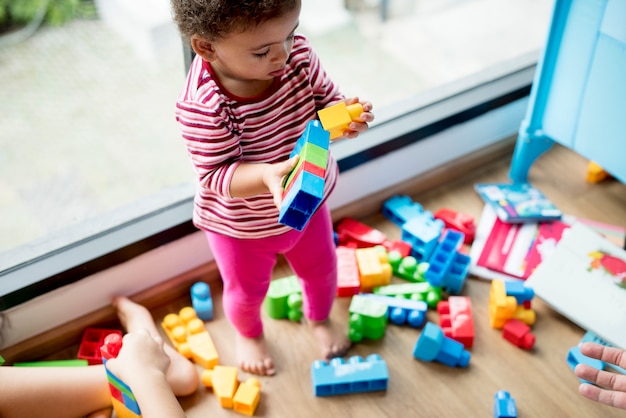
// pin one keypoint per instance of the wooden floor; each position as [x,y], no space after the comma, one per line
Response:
[540,380]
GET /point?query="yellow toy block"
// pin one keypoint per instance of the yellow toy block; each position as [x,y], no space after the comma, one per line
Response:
[187,334]
[247,397]
[503,308]
[595,173]
[223,380]
[374,268]
[335,119]
[121,411]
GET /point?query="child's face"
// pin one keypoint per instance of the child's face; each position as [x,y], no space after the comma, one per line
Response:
[258,54]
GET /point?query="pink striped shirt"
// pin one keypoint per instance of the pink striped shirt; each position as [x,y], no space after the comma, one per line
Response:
[221,130]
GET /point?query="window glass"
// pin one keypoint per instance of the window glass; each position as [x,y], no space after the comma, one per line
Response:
[87,130]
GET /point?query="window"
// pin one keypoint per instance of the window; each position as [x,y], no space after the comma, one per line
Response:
[89,144]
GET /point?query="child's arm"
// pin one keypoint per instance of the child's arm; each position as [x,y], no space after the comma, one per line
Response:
[611,387]
[141,364]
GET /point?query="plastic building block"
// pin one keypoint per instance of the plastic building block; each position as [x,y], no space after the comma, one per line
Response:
[124,403]
[374,269]
[201,300]
[368,319]
[355,376]
[351,231]
[423,233]
[402,311]
[447,267]
[595,173]
[407,267]
[456,320]
[400,209]
[247,396]
[284,299]
[54,363]
[575,357]
[432,345]
[518,333]
[337,118]
[1,360]
[522,294]
[415,291]
[223,381]
[461,222]
[399,246]
[348,278]
[90,344]
[304,188]
[504,405]
[503,308]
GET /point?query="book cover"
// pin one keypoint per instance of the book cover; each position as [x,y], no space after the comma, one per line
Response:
[584,279]
[518,202]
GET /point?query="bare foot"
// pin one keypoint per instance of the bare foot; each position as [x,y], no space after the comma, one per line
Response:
[254,356]
[332,342]
[182,375]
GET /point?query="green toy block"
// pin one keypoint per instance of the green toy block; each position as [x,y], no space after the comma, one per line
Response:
[417,291]
[54,363]
[284,299]
[407,268]
[368,319]
[1,361]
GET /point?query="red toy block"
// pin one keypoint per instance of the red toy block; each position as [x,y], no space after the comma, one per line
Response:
[351,230]
[348,278]
[518,333]
[402,247]
[93,339]
[455,317]
[461,222]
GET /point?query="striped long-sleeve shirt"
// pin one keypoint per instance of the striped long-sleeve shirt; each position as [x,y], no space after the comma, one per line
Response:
[221,130]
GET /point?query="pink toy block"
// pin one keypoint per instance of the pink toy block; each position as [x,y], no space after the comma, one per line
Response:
[402,247]
[455,317]
[461,222]
[348,279]
[350,230]
[93,339]
[518,333]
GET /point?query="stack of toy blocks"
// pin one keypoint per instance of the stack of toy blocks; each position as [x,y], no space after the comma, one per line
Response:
[284,299]
[188,335]
[348,278]
[374,269]
[423,291]
[337,118]
[304,186]
[456,319]
[124,403]
[368,319]
[401,311]
[447,267]
[509,310]
[355,376]
[92,340]
[241,397]
[433,345]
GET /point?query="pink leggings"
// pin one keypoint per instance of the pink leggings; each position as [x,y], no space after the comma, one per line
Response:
[246,267]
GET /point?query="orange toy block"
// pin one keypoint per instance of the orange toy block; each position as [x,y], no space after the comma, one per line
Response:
[223,380]
[247,396]
[455,318]
[335,119]
[374,269]
[187,334]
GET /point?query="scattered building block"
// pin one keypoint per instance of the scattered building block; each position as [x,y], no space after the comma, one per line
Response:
[337,118]
[504,405]
[399,246]
[447,267]
[518,333]
[201,300]
[461,222]
[590,336]
[401,311]
[503,308]
[350,231]
[456,320]
[374,269]
[432,345]
[575,357]
[284,299]
[247,396]
[124,403]
[188,335]
[400,209]
[53,363]
[416,291]
[355,376]
[92,340]
[423,233]
[223,381]
[348,278]
[368,319]
[522,294]
[407,267]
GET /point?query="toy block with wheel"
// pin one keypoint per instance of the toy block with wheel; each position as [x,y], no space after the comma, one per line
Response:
[400,310]
[337,118]
[400,209]
[351,232]
[201,300]
[348,279]
[407,267]
[356,376]
[432,345]
[456,319]
[416,291]
[92,340]
[124,403]
[518,333]
[284,299]
[504,405]
[368,319]
[447,267]
[374,270]
[423,233]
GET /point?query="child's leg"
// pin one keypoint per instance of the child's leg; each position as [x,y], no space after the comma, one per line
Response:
[314,259]
[246,268]
[181,375]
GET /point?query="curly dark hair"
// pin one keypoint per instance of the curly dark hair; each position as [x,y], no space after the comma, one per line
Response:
[214,19]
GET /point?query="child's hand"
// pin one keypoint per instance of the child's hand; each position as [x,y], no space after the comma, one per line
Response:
[274,177]
[611,387]
[366,117]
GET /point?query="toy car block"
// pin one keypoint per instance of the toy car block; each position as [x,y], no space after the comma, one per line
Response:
[461,222]
[456,320]
[407,267]
[368,319]
[423,233]
[223,381]
[201,300]
[337,118]
[356,376]
[187,334]
[504,405]
[90,344]
[432,345]
[401,247]
[400,209]
[374,270]
[352,231]
[247,397]
[401,311]
[518,333]
[415,291]
[284,299]
[348,278]
[447,267]
[124,403]
[522,294]
[595,173]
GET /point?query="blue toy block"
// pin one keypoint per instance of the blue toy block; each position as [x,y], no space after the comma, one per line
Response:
[504,405]
[201,300]
[423,233]
[575,357]
[400,209]
[302,200]
[402,311]
[355,376]
[313,133]
[447,267]
[520,292]
[433,345]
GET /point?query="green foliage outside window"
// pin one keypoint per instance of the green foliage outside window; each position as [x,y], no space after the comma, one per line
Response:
[17,13]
